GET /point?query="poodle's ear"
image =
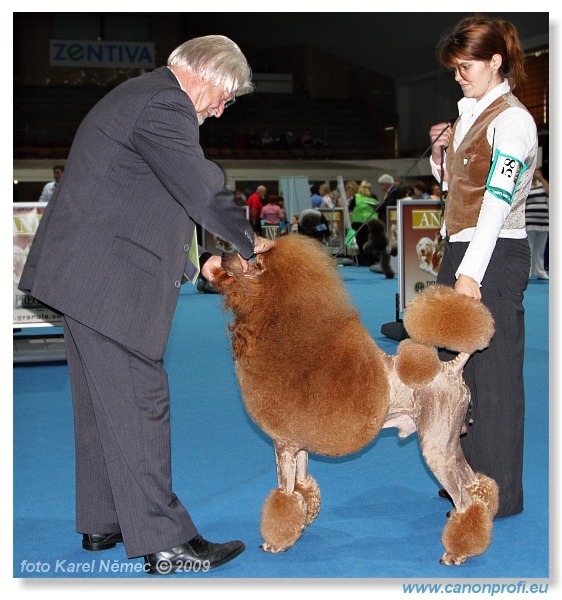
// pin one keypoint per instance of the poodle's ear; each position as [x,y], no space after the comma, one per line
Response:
[244,334]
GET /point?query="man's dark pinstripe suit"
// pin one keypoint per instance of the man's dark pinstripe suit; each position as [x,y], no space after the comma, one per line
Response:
[109,255]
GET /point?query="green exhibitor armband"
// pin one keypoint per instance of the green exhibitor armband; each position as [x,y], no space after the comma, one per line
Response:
[504,176]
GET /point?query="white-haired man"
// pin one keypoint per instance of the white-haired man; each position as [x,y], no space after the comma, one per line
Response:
[391,194]
[136,184]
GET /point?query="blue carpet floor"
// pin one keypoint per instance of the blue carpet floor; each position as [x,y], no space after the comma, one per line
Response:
[381,517]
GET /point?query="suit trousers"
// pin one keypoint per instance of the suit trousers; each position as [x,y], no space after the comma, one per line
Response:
[122,442]
[493,444]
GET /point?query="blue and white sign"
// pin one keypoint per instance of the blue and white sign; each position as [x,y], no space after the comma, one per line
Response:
[101,54]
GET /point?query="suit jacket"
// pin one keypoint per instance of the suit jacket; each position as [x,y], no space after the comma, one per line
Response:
[392,196]
[113,242]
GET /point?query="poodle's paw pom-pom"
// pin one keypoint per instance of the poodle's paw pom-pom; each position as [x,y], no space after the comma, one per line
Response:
[283,520]
[467,533]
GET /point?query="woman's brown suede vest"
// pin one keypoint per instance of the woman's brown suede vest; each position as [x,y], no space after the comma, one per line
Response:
[468,168]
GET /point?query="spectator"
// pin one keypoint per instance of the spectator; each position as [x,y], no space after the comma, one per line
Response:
[391,194]
[49,188]
[435,191]
[289,140]
[324,193]
[536,223]
[408,192]
[267,139]
[283,222]
[272,213]
[255,203]
[313,223]
[239,198]
[350,188]
[420,191]
[315,197]
[364,208]
[336,198]
[307,140]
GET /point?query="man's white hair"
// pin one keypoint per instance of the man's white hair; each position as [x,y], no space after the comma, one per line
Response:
[216,59]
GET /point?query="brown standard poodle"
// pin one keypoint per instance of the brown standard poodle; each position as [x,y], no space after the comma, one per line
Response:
[333,388]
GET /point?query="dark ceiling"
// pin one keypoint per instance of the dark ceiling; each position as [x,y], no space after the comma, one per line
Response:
[396,45]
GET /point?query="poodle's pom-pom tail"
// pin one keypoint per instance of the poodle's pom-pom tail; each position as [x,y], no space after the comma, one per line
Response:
[439,316]
[416,365]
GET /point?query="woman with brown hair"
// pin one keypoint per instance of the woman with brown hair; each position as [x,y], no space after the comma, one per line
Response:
[487,159]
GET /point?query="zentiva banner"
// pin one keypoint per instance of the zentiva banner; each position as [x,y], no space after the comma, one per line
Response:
[101,54]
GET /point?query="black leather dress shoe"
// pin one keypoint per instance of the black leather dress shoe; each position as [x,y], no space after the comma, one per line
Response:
[101,541]
[197,556]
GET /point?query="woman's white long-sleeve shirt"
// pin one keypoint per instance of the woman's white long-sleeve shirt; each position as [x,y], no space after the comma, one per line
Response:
[514,133]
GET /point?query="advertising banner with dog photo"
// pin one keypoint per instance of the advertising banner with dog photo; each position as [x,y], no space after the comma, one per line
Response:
[27,311]
[420,246]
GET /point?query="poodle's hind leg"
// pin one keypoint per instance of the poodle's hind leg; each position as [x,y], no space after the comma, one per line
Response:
[468,531]
[306,485]
[284,511]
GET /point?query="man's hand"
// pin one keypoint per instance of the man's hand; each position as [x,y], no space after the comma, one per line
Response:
[262,244]
[207,270]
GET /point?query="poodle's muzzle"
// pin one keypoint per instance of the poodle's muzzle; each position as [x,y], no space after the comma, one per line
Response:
[230,262]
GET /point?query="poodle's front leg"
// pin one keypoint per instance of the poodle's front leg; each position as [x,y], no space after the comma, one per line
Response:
[286,461]
[307,486]
[284,511]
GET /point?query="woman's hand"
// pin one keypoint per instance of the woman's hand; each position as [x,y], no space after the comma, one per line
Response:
[468,286]
[440,136]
